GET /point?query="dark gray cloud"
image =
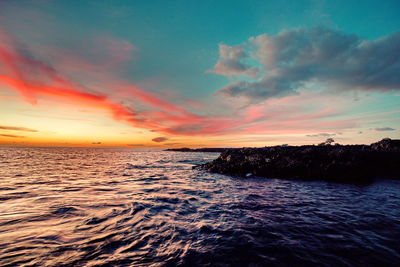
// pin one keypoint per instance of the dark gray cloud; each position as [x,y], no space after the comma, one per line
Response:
[14,128]
[321,135]
[159,139]
[262,89]
[231,62]
[135,144]
[384,129]
[171,144]
[336,59]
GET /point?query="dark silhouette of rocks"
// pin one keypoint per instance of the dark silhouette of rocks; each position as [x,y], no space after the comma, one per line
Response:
[387,144]
[346,163]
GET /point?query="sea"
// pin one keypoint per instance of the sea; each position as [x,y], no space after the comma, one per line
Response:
[124,207]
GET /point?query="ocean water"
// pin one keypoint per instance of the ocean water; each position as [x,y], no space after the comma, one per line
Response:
[121,207]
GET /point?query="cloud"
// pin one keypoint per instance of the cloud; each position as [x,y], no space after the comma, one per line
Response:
[321,135]
[26,71]
[23,70]
[159,139]
[96,143]
[14,128]
[12,136]
[135,144]
[341,61]
[260,90]
[33,78]
[231,62]
[172,144]
[384,129]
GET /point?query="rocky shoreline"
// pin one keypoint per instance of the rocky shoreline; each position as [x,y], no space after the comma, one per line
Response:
[345,163]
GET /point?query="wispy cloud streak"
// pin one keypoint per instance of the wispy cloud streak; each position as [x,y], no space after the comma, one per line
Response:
[14,128]
[12,136]
[34,78]
[384,129]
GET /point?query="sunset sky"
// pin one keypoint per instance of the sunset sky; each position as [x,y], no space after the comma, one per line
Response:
[198,73]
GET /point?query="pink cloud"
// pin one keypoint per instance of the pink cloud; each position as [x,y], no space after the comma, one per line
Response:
[33,79]
[159,139]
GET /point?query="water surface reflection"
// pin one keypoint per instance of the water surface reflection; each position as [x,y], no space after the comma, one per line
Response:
[93,207]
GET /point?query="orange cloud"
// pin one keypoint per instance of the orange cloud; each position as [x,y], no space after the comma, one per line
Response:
[12,136]
[159,139]
[13,128]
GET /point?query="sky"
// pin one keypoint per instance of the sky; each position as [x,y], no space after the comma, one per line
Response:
[198,73]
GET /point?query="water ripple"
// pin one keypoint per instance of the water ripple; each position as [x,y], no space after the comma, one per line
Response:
[119,207]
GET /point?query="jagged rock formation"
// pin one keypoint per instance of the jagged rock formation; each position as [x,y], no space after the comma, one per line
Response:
[351,163]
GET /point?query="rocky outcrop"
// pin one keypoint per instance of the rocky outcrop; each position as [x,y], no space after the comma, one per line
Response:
[387,144]
[330,162]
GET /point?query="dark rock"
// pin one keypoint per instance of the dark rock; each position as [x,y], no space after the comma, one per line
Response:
[353,163]
[387,145]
